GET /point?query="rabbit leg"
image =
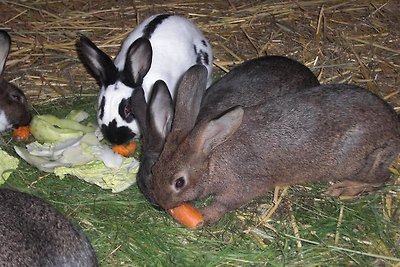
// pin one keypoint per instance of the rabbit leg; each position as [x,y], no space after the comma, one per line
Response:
[351,188]
[213,212]
[373,175]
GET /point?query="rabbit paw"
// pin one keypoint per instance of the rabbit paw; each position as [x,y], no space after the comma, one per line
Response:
[351,188]
[212,213]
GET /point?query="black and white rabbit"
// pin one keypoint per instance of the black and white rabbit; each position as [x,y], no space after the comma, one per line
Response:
[34,233]
[340,133]
[162,47]
[13,104]
[248,84]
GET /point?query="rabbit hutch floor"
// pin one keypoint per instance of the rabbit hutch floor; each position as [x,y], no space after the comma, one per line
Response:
[340,41]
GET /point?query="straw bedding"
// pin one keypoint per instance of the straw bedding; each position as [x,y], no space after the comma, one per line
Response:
[341,41]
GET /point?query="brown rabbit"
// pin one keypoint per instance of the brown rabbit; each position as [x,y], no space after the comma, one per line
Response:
[326,133]
[13,104]
[247,84]
[34,233]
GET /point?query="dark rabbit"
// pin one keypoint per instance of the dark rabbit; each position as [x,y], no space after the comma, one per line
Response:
[33,233]
[326,133]
[248,84]
[154,120]
[256,81]
[13,104]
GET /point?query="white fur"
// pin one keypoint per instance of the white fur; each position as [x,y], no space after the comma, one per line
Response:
[173,53]
[113,95]
[4,124]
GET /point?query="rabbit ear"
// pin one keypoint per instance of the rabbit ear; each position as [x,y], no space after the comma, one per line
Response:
[98,62]
[138,60]
[5,42]
[139,108]
[154,119]
[160,112]
[188,100]
[218,130]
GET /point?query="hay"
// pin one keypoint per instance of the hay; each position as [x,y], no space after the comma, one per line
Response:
[352,41]
[341,41]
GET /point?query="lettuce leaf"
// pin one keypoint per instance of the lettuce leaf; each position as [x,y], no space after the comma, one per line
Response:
[107,178]
[65,146]
[8,164]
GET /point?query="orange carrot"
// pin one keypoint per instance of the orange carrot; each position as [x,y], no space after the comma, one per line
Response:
[125,149]
[21,133]
[187,215]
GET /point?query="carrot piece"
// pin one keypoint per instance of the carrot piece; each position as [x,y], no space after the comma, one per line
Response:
[21,133]
[187,215]
[125,149]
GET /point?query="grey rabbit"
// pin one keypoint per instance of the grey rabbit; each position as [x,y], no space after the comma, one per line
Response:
[340,133]
[13,104]
[247,84]
[34,233]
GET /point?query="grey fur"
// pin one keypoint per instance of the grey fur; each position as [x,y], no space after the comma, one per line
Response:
[326,133]
[248,84]
[33,233]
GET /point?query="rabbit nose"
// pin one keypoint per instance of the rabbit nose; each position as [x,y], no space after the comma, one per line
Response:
[26,120]
[117,135]
[23,121]
[147,192]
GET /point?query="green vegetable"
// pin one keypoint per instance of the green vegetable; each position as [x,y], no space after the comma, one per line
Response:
[68,147]
[107,178]
[77,115]
[8,164]
[48,128]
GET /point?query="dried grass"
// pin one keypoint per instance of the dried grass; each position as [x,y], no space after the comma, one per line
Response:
[341,41]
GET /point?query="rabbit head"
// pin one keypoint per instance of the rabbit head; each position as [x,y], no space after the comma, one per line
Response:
[13,103]
[115,116]
[154,120]
[185,177]
[188,100]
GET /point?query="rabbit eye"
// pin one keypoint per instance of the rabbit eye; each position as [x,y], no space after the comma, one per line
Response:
[125,110]
[179,183]
[128,110]
[17,97]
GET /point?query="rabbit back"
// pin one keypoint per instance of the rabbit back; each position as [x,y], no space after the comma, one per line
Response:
[177,45]
[33,233]
[331,132]
[256,81]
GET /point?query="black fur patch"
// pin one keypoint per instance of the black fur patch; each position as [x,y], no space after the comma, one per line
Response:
[204,42]
[195,49]
[202,56]
[125,110]
[101,108]
[128,80]
[117,135]
[109,73]
[106,73]
[152,26]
